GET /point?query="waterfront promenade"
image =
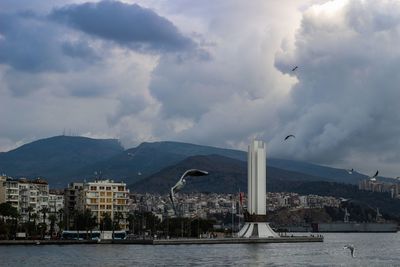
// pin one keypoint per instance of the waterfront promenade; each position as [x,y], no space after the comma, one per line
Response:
[177,241]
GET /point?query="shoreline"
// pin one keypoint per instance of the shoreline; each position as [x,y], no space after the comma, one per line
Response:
[178,241]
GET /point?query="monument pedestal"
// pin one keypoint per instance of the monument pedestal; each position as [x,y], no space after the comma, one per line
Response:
[257,230]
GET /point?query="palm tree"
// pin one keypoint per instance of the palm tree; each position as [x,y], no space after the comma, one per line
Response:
[29,210]
[44,211]
[61,220]
[117,218]
[131,221]
[34,216]
[52,219]
[43,227]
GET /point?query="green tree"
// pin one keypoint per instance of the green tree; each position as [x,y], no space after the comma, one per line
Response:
[29,210]
[106,222]
[52,219]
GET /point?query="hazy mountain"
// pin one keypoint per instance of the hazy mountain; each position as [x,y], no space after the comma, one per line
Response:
[148,158]
[62,159]
[335,174]
[226,175]
[57,157]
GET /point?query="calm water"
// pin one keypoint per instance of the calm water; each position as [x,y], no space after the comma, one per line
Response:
[371,250]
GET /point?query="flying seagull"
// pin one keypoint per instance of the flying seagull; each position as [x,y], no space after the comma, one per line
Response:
[290,135]
[351,248]
[295,68]
[373,178]
[181,183]
[350,171]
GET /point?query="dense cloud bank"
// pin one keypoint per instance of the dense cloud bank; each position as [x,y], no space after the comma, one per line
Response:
[217,73]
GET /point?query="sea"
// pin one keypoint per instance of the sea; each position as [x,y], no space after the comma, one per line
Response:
[371,249]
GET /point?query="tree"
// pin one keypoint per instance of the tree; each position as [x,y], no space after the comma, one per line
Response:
[34,216]
[118,216]
[106,223]
[44,211]
[29,210]
[52,219]
[7,210]
[9,218]
[61,220]
[131,221]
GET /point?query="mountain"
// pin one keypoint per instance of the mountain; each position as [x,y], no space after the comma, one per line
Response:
[148,158]
[226,175]
[63,159]
[57,157]
[335,174]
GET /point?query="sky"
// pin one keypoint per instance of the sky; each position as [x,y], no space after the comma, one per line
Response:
[211,72]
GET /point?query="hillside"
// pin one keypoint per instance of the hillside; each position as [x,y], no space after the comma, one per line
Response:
[57,157]
[226,175]
[148,158]
[63,159]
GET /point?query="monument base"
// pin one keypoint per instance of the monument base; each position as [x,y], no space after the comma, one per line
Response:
[257,230]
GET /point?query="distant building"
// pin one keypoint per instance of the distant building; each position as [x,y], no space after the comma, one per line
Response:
[28,196]
[56,202]
[9,191]
[106,196]
[72,196]
[34,194]
[380,186]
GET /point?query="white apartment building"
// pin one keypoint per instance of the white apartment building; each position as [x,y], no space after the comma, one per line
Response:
[24,193]
[56,202]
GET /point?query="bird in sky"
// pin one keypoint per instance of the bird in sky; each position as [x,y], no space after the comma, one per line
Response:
[295,68]
[373,178]
[290,135]
[350,171]
[351,248]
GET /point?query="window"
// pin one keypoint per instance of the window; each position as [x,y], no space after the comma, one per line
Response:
[109,194]
[102,194]
[102,200]
[109,200]
[121,188]
[94,188]
[101,187]
[108,188]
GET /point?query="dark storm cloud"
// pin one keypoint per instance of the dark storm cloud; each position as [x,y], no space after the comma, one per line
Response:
[129,25]
[345,101]
[28,43]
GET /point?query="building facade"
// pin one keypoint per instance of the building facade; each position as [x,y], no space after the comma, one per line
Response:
[106,197]
[28,196]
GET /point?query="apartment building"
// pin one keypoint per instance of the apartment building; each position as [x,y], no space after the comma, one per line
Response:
[28,196]
[106,196]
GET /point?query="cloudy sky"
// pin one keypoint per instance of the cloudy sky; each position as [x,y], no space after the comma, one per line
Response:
[215,72]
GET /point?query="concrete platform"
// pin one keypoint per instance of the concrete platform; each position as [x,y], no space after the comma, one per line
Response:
[178,241]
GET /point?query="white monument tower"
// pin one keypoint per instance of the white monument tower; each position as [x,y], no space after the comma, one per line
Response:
[256,217]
